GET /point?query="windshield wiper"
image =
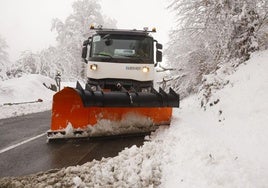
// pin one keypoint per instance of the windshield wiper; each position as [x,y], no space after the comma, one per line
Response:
[106,36]
[104,54]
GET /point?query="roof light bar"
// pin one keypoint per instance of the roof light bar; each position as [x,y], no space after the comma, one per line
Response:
[100,27]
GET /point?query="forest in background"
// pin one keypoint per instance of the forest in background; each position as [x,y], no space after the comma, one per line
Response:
[65,56]
[211,37]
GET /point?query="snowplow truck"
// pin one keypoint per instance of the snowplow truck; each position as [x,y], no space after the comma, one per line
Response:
[119,97]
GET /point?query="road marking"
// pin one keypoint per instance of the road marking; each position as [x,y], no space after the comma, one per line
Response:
[21,143]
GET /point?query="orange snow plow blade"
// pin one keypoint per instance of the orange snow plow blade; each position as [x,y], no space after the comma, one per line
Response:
[70,107]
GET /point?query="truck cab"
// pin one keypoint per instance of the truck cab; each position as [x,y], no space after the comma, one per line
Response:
[121,59]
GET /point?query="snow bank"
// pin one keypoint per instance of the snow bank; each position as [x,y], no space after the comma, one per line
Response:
[26,91]
[28,88]
[225,145]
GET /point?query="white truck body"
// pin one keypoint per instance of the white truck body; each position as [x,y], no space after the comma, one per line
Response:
[129,71]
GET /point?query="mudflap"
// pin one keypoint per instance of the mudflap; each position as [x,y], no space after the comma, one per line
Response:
[71,117]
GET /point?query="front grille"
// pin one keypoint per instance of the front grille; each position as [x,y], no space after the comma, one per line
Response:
[127,84]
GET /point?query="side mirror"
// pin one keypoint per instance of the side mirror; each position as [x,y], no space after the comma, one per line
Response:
[86,42]
[84,52]
[158,56]
[159,46]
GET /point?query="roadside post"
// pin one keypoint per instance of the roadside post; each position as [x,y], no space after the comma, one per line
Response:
[58,80]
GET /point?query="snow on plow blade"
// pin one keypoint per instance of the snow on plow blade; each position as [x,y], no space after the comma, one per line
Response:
[79,112]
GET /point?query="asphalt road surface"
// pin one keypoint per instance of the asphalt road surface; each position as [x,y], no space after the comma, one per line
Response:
[24,150]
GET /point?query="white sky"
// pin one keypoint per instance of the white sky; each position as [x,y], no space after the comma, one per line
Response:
[26,24]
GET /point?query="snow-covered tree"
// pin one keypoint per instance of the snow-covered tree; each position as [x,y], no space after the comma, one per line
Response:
[29,62]
[210,33]
[73,31]
[4,60]
[66,55]
[36,63]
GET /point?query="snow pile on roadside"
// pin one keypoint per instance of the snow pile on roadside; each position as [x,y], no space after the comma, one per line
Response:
[28,88]
[225,145]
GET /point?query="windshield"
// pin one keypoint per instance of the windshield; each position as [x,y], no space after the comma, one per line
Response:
[126,48]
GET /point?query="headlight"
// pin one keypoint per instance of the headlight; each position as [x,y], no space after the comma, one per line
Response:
[145,69]
[93,67]
[146,90]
